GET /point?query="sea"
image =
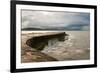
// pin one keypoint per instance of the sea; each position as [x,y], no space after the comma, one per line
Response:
[76,47]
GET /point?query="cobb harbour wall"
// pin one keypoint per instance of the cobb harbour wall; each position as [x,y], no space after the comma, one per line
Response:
[33,44]
[39,42]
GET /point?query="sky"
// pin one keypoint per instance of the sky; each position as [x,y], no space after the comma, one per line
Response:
[55,20]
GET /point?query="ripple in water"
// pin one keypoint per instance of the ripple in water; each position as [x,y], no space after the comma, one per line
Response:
[76,47]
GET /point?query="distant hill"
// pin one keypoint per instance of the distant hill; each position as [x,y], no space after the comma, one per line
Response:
[61,28]
[31,29]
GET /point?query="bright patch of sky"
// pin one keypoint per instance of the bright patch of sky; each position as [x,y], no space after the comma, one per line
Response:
[55,20]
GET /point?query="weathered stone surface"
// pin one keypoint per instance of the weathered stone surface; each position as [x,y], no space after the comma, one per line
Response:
[29,54]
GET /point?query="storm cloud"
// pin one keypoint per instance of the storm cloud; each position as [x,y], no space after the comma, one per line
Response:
[55,20]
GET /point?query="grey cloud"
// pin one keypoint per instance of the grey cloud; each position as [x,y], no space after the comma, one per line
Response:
[37,19]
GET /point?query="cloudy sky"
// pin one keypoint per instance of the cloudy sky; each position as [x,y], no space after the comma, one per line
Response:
[55,20]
